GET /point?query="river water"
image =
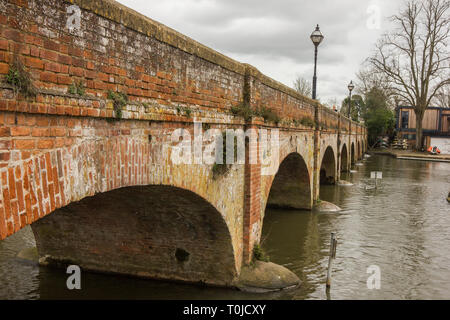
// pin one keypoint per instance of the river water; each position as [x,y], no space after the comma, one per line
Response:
[402,228]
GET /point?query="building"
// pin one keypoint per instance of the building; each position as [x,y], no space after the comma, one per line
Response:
[435,124]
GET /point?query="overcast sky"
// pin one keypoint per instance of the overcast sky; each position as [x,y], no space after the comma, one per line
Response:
[274,35]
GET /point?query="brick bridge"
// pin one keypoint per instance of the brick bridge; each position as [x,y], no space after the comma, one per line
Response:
[89,168]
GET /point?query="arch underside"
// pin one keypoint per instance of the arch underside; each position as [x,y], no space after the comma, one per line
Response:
[328,167]
[291,188]
[158,232]
[353,155]
[344,158]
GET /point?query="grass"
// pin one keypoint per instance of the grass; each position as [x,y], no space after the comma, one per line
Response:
[120,100]
[307,122]
[268,115]
[77,88]
[220,169]
[259,254]
[20,79]
[245,111]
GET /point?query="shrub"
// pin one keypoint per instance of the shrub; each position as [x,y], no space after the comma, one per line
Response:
[20,79]
[120,100]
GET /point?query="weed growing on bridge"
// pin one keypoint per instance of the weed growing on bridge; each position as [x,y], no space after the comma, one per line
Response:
[77,88]
[220,169]
[188,112]
[20,79]
[245,111]
[206,126]
[120,100]
[268,114]
[259,254]
[307,122]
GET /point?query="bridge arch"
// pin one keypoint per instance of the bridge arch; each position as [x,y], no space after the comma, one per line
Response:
[359,150]
[291,186]
[353,155]
[151,231]
[328,167]
[344,158]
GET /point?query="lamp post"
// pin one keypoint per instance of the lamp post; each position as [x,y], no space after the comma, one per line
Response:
[316,38]
[350,87]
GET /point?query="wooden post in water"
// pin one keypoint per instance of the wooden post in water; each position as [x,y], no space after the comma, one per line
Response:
[333,245]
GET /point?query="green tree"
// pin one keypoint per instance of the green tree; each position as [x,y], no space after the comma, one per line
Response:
[357,107]
[378,117]
[380,121]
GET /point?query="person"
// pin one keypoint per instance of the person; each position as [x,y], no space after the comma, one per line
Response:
[434,150]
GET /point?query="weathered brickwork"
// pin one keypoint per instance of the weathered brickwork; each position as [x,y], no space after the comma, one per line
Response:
[146,234]
[60,148]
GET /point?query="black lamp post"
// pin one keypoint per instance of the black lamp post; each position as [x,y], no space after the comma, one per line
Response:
[316,38]
[350,87]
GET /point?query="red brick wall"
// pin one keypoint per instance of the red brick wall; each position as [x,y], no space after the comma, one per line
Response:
[164,74]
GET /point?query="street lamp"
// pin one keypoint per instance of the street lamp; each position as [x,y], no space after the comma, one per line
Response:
[350,87]
[316,38]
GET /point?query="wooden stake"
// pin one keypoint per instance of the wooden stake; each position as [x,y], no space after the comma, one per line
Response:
[333,245]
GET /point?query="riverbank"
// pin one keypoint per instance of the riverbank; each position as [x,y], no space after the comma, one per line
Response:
[411,155]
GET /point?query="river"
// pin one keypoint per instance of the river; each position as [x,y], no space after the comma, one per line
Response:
[402,227]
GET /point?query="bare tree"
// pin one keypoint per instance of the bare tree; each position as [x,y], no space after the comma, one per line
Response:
[303,86]
[442,98]
[415,56]
[368,79]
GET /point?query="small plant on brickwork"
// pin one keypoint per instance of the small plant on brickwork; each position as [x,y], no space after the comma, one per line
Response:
[20,79]
[188,112]
[206,126]
[307,122]
[220,169]
[268,114]
[77,88]
[179,109]
[120,100]
[259,254]
[243,110]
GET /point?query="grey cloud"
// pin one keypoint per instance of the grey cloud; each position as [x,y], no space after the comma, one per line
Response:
[276,32]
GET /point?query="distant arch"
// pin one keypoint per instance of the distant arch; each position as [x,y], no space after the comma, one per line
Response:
[359,150]
[353,159]
[344,158]
[291,187]
[328,167]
